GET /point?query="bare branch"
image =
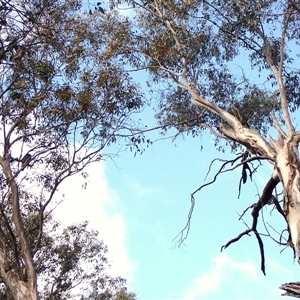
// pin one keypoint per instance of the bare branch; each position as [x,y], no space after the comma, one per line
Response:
[280,235]
[221,160]
[277,126]
[282,42]
[263,200]
[181,237]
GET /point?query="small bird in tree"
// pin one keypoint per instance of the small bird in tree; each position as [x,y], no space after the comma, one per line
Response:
[25,160]
[20,53]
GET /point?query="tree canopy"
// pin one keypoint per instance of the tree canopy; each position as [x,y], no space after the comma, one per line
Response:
[72,263]
[198,46]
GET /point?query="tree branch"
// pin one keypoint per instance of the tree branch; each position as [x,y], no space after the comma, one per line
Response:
[17,220]
[278,74]
[183,234]
[263,200]
[252,140]
[295,6]
[291,289]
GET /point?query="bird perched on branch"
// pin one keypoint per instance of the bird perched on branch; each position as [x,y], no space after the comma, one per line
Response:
[25,160]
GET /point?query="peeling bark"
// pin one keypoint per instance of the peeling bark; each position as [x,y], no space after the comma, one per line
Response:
[253,141]
[291,289]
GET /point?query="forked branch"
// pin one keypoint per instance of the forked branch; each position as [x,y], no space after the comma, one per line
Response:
[263,200]
[181,237]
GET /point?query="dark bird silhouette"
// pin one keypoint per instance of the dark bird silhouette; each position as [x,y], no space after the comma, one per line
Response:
[101,10]
[25,160]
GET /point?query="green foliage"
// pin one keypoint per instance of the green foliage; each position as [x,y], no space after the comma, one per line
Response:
[66,94]
[220,48]
[54,78]
[72,263]
[61,100]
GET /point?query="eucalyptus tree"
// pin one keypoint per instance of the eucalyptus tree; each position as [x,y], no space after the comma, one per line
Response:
[198,55]
[72,263]
[61,104]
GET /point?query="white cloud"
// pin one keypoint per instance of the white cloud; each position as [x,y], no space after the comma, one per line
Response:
[98,204]
[213,280]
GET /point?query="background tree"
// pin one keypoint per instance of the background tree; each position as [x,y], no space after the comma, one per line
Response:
[71,264]
[61,103]
[192,49]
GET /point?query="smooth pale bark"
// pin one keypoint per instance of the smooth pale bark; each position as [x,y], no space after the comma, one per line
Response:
[20,289]
[21,281]
[288,169]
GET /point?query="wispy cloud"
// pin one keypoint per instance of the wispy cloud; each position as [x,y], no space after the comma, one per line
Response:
[140,190]
[220,275]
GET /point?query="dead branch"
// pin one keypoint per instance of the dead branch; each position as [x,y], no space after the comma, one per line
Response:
[278,207]
[291,289]
[262,252]
[183,234]
[225,162]
[280,235]
[243,213]
[244,171]
[263,200]
[241,219]
[266,224]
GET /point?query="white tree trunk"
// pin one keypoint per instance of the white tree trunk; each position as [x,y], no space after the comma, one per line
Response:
[24,291]
[21,286]
[20,289]
[288,168]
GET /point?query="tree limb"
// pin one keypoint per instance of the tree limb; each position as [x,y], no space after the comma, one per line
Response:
[185,231]
[263,200]
[291,289]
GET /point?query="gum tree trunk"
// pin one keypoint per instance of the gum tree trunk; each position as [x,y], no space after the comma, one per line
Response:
[19,289]
[16,267]
[289,174]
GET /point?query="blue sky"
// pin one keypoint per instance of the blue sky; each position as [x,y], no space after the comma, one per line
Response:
[139,204]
